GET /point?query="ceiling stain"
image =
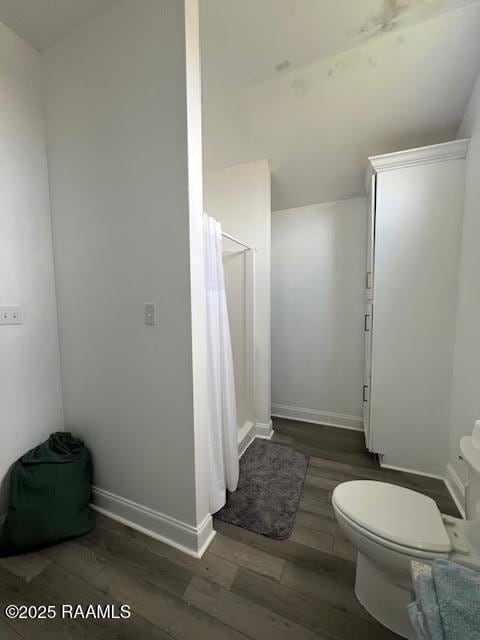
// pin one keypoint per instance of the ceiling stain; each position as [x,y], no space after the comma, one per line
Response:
[386,19]
[300,87]
[282,66]
[337,68]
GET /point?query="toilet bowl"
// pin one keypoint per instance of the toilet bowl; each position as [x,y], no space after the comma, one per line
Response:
[392,526]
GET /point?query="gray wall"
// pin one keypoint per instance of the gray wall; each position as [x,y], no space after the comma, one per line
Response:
[30,391]
[318,278]
[116,113]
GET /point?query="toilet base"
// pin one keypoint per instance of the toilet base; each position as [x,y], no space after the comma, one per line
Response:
[384,601]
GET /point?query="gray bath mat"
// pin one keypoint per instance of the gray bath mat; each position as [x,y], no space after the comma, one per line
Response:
[269,490]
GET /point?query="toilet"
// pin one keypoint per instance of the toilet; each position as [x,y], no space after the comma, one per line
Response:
[392,526]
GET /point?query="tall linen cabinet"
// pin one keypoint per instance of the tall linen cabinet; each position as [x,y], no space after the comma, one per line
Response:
[414,240]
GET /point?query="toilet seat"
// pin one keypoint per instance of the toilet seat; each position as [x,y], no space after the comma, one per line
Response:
[414,554]
[395,517]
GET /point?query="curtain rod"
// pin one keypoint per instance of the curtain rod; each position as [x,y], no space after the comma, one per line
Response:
[233,239]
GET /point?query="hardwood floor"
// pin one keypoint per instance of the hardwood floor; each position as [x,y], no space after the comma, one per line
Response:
[245,586]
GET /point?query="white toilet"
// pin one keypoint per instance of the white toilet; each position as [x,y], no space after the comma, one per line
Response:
[391,526]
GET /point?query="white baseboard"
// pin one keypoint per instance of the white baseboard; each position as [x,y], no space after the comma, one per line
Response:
[264,430]
[191,540]
[313,416]
[456,488]
[246,436]
[250,431]
[406,470]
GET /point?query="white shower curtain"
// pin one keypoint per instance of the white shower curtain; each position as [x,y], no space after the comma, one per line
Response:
[223,441]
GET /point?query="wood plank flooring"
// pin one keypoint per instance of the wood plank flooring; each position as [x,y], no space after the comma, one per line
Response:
[245,586]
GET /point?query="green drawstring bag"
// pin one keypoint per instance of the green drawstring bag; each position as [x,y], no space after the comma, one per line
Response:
[50,488]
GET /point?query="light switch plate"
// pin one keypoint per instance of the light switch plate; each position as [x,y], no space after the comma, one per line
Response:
[10,315]
[150,313]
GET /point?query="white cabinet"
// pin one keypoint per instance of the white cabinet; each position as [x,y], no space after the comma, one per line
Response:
[415,218]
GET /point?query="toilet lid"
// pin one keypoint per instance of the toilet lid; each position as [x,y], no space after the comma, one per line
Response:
[394,513]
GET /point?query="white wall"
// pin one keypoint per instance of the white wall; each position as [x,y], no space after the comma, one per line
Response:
[30,391]
[198,301]
[239,197]
[116,107]
[318,273]
[466,375]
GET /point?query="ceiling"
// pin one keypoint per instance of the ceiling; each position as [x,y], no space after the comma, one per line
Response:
[314,86]
[318,86]
[42,22]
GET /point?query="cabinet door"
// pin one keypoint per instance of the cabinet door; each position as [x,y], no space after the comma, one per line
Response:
[418,223]
[366,409]
[367,327]
[371,238]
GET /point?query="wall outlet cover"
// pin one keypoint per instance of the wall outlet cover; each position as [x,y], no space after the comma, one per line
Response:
[10,315]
